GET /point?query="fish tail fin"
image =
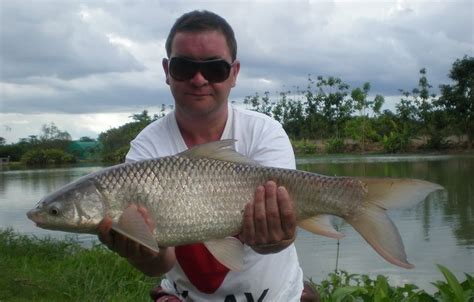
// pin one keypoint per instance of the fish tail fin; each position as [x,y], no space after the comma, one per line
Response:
[374,224]
[379,231]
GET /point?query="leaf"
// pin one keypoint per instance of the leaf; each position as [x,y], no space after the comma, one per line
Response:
[343,292]
[453,283]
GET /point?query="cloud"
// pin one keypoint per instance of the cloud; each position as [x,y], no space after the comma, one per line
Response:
[98,57]
[49,39]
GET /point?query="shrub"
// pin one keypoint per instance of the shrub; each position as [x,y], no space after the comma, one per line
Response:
[47,157]
[395,142]
[335,145]
[304,147]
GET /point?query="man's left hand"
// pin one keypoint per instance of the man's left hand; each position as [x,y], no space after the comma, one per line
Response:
[269,222]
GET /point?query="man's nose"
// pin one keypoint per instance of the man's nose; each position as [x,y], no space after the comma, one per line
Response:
[198,79]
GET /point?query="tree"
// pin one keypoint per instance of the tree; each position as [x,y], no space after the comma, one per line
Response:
[458,98]
[289,112]
[3,141]
[360,126]
[416,112]
[262,105]
[86,139]
[336,108]
[51,132]
[115,142]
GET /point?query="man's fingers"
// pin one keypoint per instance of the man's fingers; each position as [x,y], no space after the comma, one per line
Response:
[260,216]
[248,227]
[287,213]
[272,213]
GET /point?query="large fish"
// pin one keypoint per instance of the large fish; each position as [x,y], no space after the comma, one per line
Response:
[199,196]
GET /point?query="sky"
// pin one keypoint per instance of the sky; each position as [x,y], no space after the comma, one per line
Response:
[87,66]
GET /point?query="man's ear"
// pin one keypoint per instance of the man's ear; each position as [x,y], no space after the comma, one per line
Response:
[165,65]
[235,72]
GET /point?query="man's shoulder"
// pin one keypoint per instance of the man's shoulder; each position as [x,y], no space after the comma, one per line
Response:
[253,116]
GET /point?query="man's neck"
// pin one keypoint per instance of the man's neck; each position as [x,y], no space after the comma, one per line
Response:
[197,130]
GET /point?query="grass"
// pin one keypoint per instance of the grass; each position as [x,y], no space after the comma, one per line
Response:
[45,269]
[34,269]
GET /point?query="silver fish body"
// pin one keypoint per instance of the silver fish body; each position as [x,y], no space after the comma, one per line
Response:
[195,200]
[200,195]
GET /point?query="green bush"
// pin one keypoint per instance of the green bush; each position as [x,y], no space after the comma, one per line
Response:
[335,145]
[304,147]
[47,157]
[395,142]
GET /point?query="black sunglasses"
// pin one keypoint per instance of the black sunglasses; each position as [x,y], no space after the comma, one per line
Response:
[215,71]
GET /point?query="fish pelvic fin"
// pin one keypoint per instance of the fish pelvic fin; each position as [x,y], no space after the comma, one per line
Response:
[132,225]
[321,225]
[220,150]
[228,251]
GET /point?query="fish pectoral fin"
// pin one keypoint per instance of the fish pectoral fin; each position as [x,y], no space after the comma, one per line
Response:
[228,251]
[321,225]
[132,225]
[381,233]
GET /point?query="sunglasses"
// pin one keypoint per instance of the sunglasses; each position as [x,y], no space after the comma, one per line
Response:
[215,71]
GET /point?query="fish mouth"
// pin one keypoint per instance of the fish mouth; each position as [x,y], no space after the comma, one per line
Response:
[33,216]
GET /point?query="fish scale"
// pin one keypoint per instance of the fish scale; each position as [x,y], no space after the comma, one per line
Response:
[198,199]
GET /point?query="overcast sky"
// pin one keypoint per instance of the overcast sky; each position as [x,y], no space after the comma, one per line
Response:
[88,65]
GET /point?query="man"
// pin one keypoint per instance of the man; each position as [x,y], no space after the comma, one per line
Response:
[201,69]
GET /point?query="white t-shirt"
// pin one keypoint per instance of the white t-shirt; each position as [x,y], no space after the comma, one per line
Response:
[274,277]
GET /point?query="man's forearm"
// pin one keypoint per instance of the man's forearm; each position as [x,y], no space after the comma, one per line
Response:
[157,265]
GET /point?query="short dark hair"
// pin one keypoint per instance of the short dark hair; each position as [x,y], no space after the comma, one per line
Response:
[197,21]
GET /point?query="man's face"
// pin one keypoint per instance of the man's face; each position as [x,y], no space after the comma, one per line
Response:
[197,97]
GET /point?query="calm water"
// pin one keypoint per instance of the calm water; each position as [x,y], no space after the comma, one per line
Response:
[439,230]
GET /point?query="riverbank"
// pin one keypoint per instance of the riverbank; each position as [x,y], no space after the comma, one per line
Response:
[420,145]
[45,269]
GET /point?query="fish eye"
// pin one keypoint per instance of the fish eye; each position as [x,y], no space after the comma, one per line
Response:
[54,211]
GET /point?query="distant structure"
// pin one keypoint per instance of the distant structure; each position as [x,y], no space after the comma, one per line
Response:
[84,150]
[4,160]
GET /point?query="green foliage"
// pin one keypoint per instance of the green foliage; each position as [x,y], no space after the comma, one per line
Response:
[304,147]
[342,286]
[453,290]
[116,141]
[258,104]
[33,269]
[395,142]
[458,99]
[335,145]
[51,138]
[47,157]
[51,132]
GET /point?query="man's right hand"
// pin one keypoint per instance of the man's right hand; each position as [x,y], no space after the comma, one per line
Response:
[147,261]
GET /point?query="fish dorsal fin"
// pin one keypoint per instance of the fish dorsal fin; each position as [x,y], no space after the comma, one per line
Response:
[220,150]
[132,225]
[228,251]
[321,225]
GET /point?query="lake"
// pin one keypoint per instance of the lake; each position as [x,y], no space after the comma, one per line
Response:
[439,230]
